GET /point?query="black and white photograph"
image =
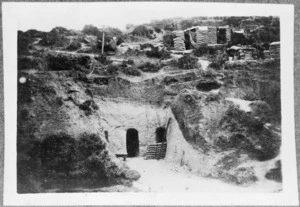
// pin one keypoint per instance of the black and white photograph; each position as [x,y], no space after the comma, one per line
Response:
[145,98]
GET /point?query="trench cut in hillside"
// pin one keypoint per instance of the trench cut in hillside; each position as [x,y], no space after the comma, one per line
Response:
[132,142]
[208,86]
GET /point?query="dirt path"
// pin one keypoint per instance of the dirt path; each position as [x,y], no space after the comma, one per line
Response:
[161,176]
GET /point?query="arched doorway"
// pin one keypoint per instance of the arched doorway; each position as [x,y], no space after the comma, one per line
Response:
[132,142]
[161,134]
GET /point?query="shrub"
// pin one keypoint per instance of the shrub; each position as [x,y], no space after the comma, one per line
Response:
[103,59]
[215,65]
[250,96]
[64,62]
[146,45]
[74,45]
[112,70]
[155,52]
[58,153]
[91,30]
[131,71]
[130,62]
[149,67]
[133,52]
[213,97]
[68,162]
[88,107]
[201,50]
[187,62]
[54,38]
[89,144]
[275,173]
[141,31]
[249,134]
[157,29]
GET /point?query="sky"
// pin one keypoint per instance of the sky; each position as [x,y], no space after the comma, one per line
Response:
[74,15]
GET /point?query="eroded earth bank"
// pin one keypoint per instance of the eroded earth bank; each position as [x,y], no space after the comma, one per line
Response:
[77,110]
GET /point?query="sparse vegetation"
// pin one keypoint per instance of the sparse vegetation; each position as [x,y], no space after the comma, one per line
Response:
[62,62]
[156,52]
[142,31]
[131,71]
[249,134]
[201,50]
[67,162]
[149,67]
[186,62]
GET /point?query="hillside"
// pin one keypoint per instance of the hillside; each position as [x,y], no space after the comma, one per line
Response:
[78,108]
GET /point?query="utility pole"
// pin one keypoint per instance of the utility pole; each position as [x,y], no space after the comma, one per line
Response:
[102,40]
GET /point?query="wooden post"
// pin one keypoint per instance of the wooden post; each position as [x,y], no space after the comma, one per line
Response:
[102,40]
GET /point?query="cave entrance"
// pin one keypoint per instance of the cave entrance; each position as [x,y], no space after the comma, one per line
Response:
[161,134]
[132,142]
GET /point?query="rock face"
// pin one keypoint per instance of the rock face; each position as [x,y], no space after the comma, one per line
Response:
[118,116]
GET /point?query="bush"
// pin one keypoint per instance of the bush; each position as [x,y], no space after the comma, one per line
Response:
[157,29]
[146,45]
[88,107]
[149,67]
[201,50]
[64,62]
[103,59]
[142,31]
[58,153]
[130,62]
[215,65]
[187,62]
[91,30]
[249,134]
[155,52]
[74,45]
[275,173]
[54,38]
[112,70]
[68,163]
[131,71]
[89,144]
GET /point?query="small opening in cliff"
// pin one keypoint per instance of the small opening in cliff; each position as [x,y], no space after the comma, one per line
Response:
[208,86]
[132,142]
[161,133]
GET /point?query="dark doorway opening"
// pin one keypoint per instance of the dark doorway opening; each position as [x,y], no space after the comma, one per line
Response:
[221,36]
[132,142]
[106,135]
[161,134]
[187,41]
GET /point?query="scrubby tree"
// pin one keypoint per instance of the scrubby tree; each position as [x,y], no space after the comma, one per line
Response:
[91,30]
[141,31]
